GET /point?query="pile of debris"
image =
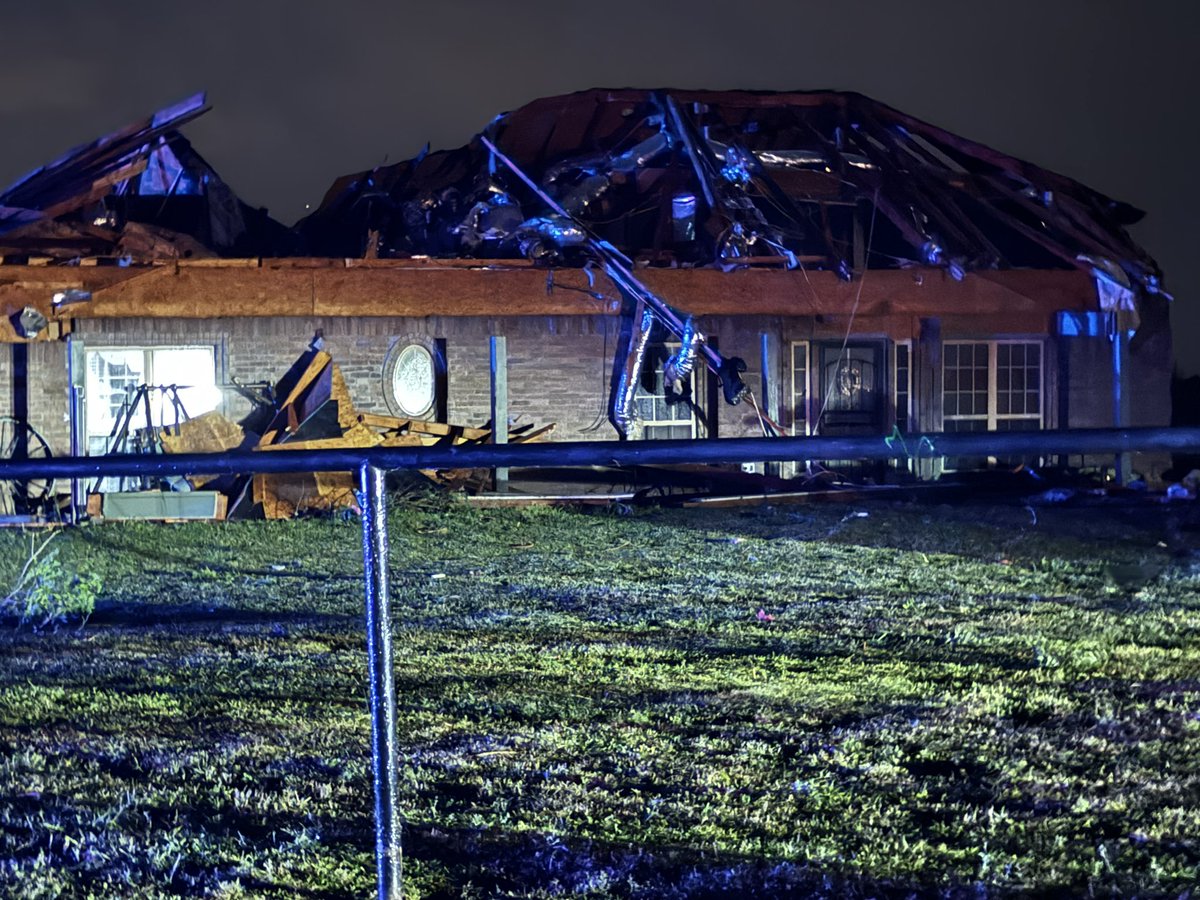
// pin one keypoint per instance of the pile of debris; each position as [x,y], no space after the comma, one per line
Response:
[309,409]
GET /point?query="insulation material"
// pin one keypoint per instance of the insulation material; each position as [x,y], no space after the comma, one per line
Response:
[625,406]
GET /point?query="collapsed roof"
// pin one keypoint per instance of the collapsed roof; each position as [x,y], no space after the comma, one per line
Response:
[141,193]
[827,179]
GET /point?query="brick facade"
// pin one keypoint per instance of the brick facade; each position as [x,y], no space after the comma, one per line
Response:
[560,367]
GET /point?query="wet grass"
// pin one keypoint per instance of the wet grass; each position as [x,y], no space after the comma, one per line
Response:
[791,701]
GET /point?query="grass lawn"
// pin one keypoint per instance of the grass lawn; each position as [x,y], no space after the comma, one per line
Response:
[770,702]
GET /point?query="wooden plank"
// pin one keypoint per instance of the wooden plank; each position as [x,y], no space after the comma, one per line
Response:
[283,496]
[494,501]
[356,437]
[421,426]
[217,262]
[528,436]
[315,368]
[172,291]
[401,440]
[377,421]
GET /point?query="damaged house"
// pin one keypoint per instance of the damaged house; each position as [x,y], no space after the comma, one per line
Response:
[661,264]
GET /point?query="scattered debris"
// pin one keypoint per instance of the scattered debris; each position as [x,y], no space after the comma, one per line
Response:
[729,178]
[314,410]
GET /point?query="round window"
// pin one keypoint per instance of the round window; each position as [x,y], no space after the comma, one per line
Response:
[410,381]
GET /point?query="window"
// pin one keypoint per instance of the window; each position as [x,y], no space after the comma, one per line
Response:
[902,386]
[415,379]
[179,382]
[664,415]
[992,385]
[411,380]
[800,387]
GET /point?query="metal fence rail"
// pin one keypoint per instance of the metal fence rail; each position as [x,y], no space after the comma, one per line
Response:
[372,464]
[615,453]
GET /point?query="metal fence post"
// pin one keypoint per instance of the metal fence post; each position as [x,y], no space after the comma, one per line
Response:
[381,682]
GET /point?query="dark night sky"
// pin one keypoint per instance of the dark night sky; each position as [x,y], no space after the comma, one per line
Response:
[1106,92]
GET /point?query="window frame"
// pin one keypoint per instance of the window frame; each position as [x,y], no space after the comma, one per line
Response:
[902,400]
[392,366]
[992,417]
[803,406]
[148,352]
[693,422]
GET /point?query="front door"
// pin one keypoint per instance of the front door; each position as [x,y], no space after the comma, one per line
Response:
[851,391]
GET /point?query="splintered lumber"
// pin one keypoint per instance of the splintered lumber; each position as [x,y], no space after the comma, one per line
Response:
[209,432]
[310,388]
[475,480]
[284,496]
[524,437]
[421,426]
[316,413]
[358,436]
[462,433]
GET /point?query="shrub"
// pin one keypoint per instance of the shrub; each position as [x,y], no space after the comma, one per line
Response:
[47,592]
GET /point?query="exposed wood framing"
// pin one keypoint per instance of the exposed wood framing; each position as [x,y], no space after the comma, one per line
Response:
[399,288]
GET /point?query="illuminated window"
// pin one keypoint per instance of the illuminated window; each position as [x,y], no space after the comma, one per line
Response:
[144,387]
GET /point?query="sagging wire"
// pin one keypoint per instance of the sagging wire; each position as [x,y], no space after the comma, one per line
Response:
[853,310]
[637,211]
[758,412]
[602,416]
[765,422]
[551,286]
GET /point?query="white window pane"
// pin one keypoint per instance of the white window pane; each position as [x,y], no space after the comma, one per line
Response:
[112,376]
[191,372]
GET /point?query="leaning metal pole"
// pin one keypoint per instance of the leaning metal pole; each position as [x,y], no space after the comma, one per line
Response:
[381,682]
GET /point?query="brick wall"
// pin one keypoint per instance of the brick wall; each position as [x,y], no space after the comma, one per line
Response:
[47,386]
[560,368]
